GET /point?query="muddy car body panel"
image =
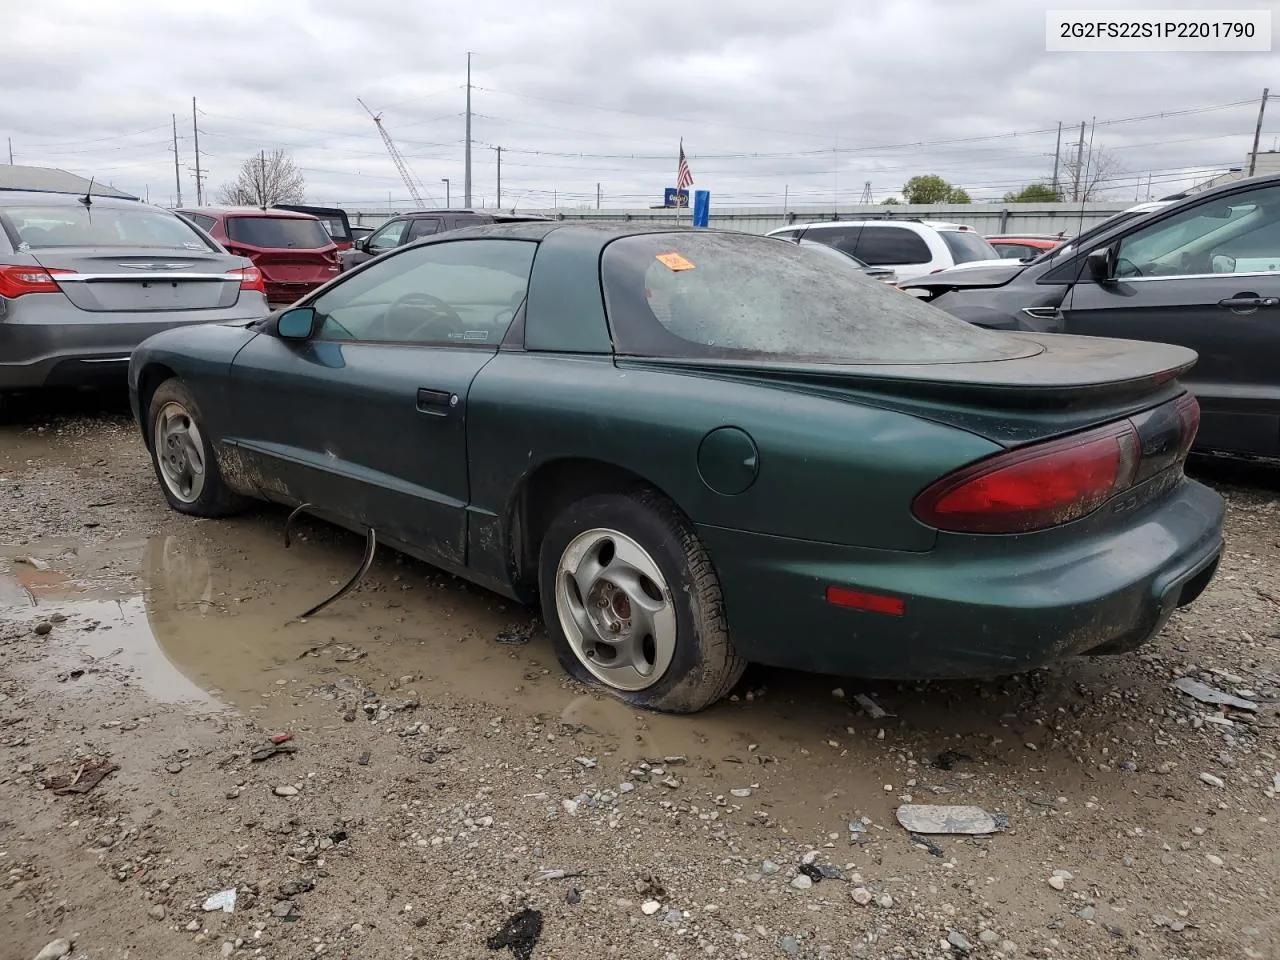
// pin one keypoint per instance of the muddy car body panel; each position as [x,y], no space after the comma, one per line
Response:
[807,460]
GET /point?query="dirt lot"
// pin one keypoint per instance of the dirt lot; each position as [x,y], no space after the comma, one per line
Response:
[437,774]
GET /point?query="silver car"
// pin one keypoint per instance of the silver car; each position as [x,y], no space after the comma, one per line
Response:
[84,280]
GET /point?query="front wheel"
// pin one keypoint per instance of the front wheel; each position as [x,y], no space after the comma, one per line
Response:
[182,454]
[631,602]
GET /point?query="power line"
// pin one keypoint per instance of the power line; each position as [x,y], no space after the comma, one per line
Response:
[117,136]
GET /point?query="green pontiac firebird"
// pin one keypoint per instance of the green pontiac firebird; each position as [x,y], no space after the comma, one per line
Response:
[700,449]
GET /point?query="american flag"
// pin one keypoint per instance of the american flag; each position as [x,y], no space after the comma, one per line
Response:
[684,177]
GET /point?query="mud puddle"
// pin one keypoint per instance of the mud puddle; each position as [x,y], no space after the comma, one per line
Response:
[206,617]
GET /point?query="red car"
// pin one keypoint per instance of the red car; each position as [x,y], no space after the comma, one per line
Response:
[293,250]
[1023,246]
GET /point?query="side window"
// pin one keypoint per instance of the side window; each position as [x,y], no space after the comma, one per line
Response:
[843,239]
[205,223]
[392,235]
[423,227]
[464,292]
[891,246]
[1240,234]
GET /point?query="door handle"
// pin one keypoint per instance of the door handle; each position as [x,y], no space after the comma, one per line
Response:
[1248,301]
[436,402]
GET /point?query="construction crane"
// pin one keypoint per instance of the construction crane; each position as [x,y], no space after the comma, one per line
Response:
[396,158]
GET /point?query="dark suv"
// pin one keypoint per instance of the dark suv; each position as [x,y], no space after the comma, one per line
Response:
[1203,272]
[407,227]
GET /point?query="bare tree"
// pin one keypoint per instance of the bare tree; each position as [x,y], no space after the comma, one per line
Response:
[1100,168]
[265,179]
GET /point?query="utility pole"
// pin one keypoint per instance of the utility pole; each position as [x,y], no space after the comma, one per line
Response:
[11,150]
[1057,153]
[262,179]
[448,204]
[597,196]
[177,173]
[1088,159]
[195,132]
[466,182]
[1075,190]
[498,204]
[1257,132]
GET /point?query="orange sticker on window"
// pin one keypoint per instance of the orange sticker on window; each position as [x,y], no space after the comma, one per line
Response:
[673,261]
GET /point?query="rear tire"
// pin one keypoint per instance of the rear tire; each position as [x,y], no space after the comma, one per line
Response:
[631,602]
[182,455]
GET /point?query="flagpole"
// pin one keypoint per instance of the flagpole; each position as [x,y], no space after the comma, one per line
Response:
[678,157]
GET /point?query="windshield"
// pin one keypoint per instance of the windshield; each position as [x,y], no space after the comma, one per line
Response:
[39,228]
[967,247]
[278,232]
[735,296]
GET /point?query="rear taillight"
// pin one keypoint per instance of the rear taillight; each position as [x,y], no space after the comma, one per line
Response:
[250,279]
[1189,417]
[19,281]
[1034,488]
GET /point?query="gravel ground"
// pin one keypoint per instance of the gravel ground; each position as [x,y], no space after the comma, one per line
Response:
[447,795]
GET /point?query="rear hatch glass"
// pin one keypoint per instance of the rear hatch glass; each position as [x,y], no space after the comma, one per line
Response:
[278,233]
[967,247]
[724,295]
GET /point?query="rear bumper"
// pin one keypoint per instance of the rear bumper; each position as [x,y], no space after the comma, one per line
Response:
[287,292]
[60,345]
[974,606]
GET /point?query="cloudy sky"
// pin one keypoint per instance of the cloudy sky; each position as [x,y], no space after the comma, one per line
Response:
[813,98]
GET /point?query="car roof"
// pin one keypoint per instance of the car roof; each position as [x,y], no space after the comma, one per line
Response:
[22,198]
[248,212]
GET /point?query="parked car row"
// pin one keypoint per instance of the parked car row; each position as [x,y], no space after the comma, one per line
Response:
[1202,272]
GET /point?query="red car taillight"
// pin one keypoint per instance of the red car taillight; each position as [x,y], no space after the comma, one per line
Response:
[1034,488]
[19,281]
[1189,416]
[251,279]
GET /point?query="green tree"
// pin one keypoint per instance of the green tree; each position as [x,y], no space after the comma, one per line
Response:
[890,201]
[930,188]
[1034,193]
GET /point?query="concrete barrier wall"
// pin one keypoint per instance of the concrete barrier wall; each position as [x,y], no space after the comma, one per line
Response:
[987,218]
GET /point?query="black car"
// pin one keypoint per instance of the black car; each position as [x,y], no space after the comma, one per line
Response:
[334,219]
[1203,272]
[408,227]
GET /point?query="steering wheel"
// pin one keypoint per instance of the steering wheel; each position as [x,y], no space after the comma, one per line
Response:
[438,312]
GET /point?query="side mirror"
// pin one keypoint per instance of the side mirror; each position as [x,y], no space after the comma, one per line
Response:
[296,324]
[1098,263]
[1223,264]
